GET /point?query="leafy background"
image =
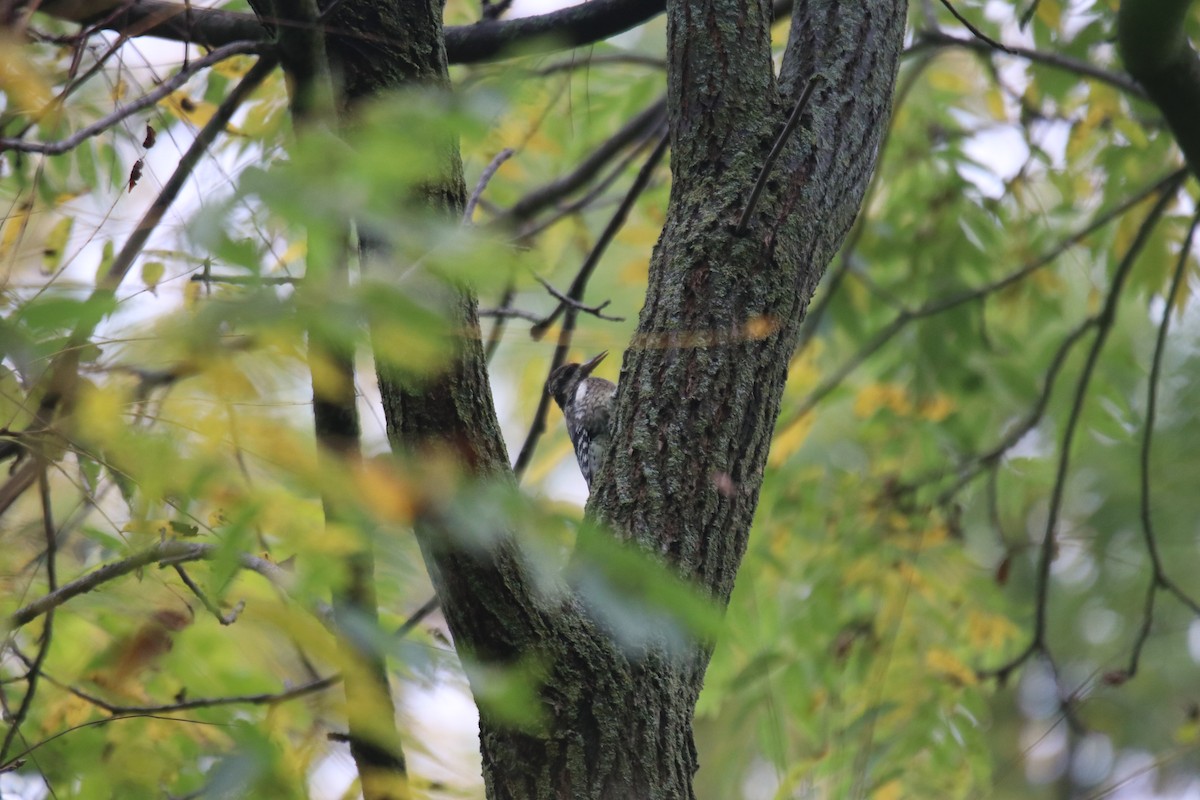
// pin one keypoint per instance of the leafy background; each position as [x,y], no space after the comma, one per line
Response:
[879,640]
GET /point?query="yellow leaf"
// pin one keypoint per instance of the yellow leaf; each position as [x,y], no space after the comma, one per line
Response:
[152,273]
[100,412]
[14,228]
[234,67]
[106,260]
[385,491]
[892,790]
[16,410]
[950,78]
[1050,13]
[293,254]
[876,396]
[989,631]
[55,244]
[936,408]
[1188,733]
[949,666]
[993,99]
[196,112]
[191,294]
[934,535]
[26,90]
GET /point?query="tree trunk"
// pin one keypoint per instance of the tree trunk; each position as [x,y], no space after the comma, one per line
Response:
[701,382]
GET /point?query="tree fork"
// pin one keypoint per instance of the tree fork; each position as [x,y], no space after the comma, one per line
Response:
[701,383]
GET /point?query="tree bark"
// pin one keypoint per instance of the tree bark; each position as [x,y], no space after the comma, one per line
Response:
[700,386]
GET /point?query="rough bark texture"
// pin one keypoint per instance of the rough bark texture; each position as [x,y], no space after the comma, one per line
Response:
[700,387]
[701,382]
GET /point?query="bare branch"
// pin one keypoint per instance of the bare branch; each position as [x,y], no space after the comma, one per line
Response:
[645,124]
[63,371]
[264,698]
[940,305]
[164,554]
[19,481]
[579,284]
[927,39]
[595,311]
[148,99]
[538,426]
[485,177]
[788,127]
[213,608]
[507,312]
[589,198]
[1158,579]
[978,34]
[414,619]
[465,44]
[34,672]
[1104,321]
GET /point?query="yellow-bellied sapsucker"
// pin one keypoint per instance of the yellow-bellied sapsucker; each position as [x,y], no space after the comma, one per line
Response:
[586,403]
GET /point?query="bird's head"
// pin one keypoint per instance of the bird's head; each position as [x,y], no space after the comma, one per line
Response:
[564,380]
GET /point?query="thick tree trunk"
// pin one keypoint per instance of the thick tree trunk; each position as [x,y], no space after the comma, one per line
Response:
[701,382]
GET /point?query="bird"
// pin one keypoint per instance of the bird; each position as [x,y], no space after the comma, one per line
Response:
[586,402]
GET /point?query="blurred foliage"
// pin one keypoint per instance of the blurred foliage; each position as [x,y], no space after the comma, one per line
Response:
[894,559]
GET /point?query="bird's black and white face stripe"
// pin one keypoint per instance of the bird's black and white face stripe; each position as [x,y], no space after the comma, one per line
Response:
[564,382]
[586,403]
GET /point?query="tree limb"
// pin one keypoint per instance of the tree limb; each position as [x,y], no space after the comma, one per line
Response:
[150,98]
[489,40]
[1104,321]
[165,554]
[1153,43]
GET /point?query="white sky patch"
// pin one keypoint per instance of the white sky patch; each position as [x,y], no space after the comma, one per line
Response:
[1000,151]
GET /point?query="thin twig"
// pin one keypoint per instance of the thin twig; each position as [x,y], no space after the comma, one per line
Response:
[497,331]
[534,227]
[93,723]
[924,40]
[1158,579]
[34,672]
[941,305]
[594,311]
[538,425]
[609,233]
[485,177]
[508,312]
[1104,321]
[213,608]
[978,34]
[264,698]
[594,60]
[165,553]
[639,127]
[148,99]
[414,619]
[251,280]
[788,128]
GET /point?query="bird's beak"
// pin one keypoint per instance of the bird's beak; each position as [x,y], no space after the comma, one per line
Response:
[587,367]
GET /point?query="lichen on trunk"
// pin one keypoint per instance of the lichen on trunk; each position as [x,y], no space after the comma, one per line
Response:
[700,385]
